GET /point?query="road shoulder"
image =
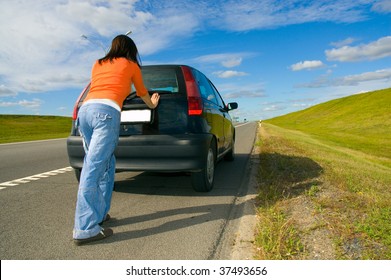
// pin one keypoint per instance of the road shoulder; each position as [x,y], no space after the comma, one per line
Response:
[237,242]
[243,246]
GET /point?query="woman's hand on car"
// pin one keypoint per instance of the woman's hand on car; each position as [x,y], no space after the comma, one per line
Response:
[151,101]
[155,99]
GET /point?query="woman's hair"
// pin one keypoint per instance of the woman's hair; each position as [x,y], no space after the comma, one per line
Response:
[122,46]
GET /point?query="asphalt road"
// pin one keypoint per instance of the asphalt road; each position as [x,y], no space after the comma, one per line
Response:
[20,160]
[155,216]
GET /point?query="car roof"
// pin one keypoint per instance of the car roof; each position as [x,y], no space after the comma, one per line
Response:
[166,66]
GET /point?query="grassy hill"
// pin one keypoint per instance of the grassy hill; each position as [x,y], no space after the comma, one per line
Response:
[17,128]
[361,122]
[325,181]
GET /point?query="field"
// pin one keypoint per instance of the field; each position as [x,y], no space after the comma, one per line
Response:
[325,181]
[16,128]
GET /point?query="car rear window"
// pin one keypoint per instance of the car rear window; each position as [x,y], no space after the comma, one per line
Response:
[160,79]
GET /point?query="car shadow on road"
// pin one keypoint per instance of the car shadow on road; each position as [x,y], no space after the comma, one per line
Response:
[295,175]
[231,183]
[229,176]
[171,220]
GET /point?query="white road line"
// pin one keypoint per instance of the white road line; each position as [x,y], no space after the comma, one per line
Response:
[34,141]
[34,177]
[8,184]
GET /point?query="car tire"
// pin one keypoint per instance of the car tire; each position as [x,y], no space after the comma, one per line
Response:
[203,180]
[78,173]
[230,156]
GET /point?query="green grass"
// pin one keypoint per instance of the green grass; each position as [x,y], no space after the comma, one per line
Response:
[17,128]
[326,171]
[361,122]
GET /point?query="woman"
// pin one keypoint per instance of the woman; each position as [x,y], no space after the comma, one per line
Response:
[99,122]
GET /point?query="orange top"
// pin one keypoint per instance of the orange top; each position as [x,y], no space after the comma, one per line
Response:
[113,80]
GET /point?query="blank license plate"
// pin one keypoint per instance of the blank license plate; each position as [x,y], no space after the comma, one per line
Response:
[136,116]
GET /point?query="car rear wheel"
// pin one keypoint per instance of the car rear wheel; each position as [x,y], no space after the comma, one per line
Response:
[203,180]
[77,174]
[230,156]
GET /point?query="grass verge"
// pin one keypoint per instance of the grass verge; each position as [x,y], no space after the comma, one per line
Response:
[321,200]
[17,128]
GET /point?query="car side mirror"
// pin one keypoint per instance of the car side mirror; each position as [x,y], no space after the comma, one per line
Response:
[232,106]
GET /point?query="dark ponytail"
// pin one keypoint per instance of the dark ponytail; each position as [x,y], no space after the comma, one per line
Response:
[122,46]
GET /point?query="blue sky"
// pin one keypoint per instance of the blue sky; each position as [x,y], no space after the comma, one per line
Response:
[272,57]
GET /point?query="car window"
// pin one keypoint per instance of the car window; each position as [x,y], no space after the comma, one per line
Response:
[219,100]
[205,87]
[160,79]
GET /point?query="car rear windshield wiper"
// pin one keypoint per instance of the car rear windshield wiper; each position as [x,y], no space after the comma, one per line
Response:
[133,94]
[160,91]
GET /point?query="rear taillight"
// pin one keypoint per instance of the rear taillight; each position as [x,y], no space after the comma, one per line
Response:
[195,106]
[76,108]
[194,99]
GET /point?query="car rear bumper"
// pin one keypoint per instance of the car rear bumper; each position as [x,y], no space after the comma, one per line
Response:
[169,153]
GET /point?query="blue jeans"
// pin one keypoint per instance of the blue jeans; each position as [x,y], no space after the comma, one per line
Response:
[99,126]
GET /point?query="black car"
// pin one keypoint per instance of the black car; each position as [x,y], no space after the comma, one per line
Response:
[190,130]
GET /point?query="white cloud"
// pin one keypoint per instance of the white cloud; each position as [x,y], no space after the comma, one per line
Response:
[307,65]
[248,14]
[227,60]
[382,6]
[384,74]
[5,91]
[229,74]
[39,43]
[351,80]
[103,17]
[42,50]
[32,104]
[232,62]
[161,33]
[244,15]
[245,94]
[62,109]
[374,50]
[273,107]
[344,42]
